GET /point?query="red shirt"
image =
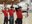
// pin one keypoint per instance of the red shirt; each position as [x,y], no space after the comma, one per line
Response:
[11,12]
[5,12]
[19,14]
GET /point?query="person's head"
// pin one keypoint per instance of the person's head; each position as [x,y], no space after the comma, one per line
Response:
[16,9]
[19,7]
[5,8]
[12,7]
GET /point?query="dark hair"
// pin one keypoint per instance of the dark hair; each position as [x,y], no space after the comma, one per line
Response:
[4,8]
[16,9]
[19,7]
[11,7]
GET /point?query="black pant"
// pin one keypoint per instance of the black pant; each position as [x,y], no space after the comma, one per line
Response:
[5,20]
[18,21]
